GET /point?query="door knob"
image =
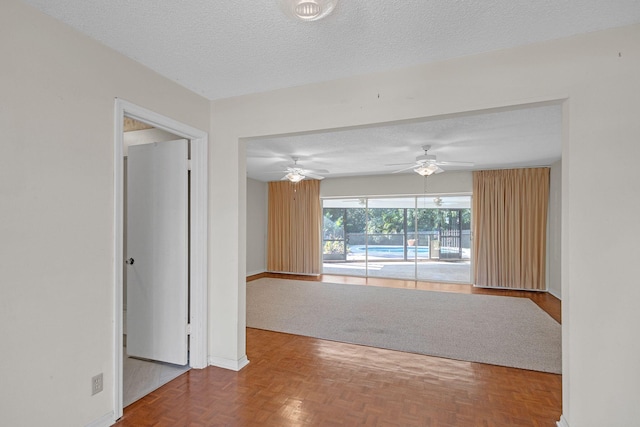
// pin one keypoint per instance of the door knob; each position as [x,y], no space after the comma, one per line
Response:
[130,261]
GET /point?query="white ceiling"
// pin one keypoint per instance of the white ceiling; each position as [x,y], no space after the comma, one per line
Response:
[492,140]
[222,48]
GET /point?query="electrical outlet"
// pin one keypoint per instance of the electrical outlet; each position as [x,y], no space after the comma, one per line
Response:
[96,384]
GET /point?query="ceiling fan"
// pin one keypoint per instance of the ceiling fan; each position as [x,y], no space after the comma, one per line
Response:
[427,164]
[296,173]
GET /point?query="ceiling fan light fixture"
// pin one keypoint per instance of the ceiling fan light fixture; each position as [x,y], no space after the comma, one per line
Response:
[308,10]
[295,177]
[426,170]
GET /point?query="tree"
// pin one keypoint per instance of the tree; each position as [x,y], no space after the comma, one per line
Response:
[386,221]
[356,220]
[332,226]
[360,221]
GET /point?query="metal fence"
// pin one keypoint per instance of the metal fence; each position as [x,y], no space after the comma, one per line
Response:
[451,244]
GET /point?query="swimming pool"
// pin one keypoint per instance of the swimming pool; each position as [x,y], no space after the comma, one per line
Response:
[396,252]
[387,251]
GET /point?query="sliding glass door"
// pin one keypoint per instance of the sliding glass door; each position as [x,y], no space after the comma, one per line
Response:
[389,230]
[414,238]
[444,230]
[344,237]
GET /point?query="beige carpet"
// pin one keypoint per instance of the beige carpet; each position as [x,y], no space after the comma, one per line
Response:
[502,331]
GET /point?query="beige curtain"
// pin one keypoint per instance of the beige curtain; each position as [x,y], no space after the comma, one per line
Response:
[510,227]
[294,227]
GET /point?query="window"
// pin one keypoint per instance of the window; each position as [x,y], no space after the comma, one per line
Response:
[417,238]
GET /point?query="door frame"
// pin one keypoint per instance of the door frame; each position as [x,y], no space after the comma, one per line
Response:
[198,265]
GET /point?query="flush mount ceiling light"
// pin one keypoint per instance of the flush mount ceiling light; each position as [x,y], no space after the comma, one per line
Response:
[295,176]
[308,10]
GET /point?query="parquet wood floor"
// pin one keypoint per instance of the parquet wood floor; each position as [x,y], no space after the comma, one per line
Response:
[301,381]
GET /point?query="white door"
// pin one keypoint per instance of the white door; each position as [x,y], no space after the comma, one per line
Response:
[157,251]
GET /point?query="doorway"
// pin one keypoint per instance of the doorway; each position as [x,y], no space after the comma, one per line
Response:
[198,237]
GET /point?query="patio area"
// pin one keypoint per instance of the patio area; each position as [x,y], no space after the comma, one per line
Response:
[391,262]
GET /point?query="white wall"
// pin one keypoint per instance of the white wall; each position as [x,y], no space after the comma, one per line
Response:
[390,185]
[57,208]
[257,206]
[596,76]
[554,227]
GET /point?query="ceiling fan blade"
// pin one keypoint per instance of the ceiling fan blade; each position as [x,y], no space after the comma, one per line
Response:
[445,163]
[406,169]
[314,176]
[400,164]
[308,171]
[316,171]
[274,172]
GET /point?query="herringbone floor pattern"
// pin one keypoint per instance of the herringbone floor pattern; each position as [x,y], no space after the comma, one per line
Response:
[300,381]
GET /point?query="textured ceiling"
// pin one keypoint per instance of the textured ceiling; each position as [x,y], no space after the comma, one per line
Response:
[493,140]
[222,48]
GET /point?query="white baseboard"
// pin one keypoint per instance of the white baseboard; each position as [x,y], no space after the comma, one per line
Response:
[104,421]
[563,422]
[234,365]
